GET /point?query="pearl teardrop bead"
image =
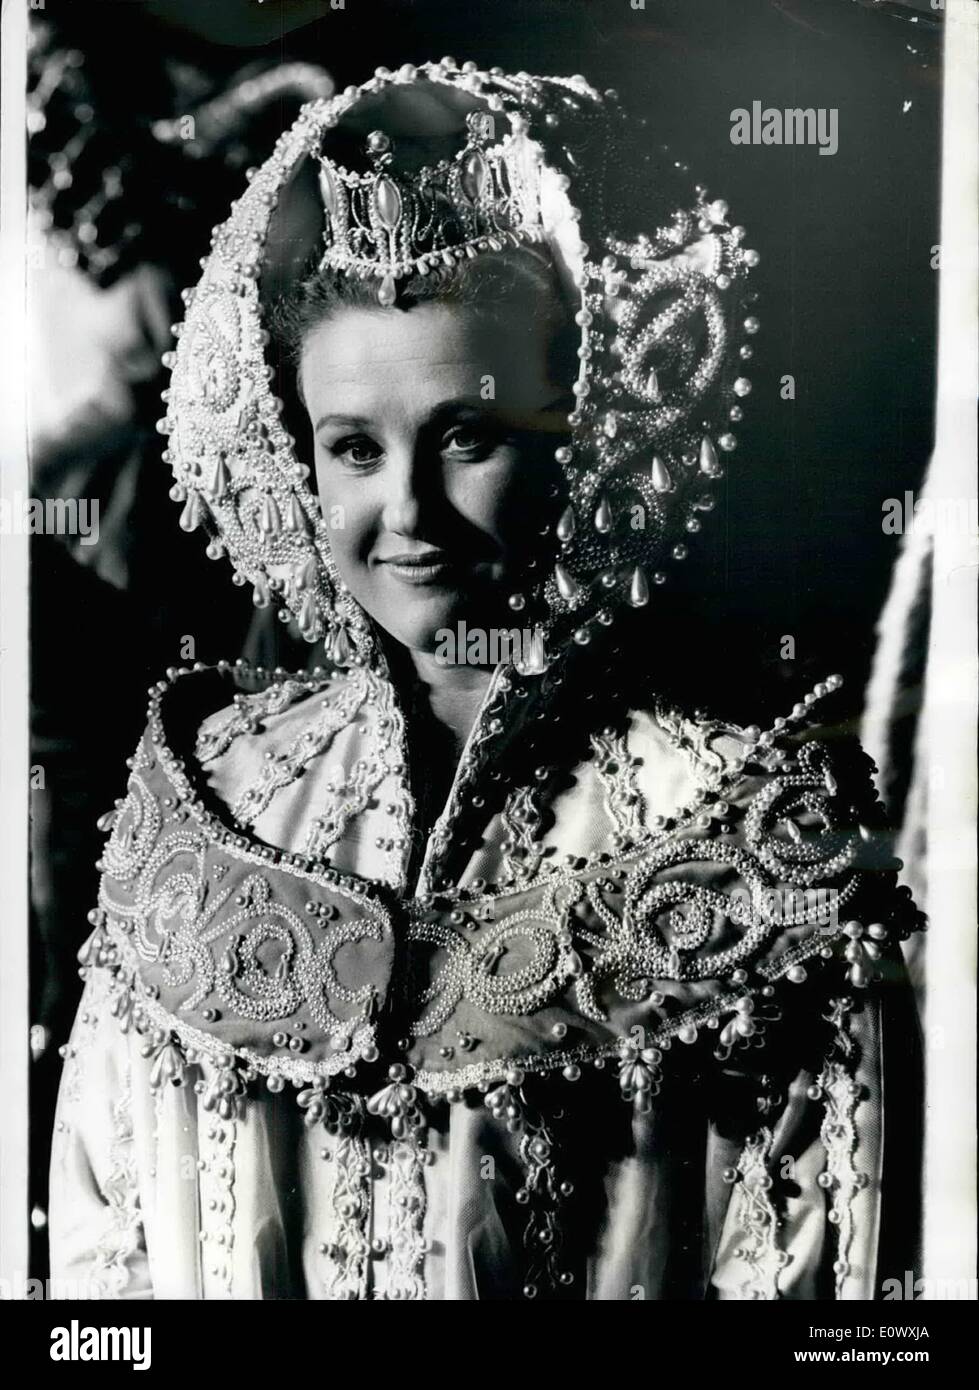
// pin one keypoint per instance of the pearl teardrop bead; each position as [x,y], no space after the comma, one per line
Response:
[662,482]
[638,589]
[708,458]
[567,585]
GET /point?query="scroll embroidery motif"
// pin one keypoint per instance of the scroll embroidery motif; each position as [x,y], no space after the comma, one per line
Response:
[211,918]
[470,973]
[176,915]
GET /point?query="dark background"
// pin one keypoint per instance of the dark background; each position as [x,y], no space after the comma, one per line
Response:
[848,308]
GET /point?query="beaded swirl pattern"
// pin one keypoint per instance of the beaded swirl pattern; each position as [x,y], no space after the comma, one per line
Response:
[231,946]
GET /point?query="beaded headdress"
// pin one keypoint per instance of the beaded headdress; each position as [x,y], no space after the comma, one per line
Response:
[661,310]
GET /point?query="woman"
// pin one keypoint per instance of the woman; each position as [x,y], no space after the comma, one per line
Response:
[479,969]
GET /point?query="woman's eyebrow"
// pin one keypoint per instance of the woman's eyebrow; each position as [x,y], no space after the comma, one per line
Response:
[486,407]
[469,401]
[329,417]
[459,405]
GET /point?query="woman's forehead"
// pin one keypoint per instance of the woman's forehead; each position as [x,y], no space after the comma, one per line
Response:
[432,350]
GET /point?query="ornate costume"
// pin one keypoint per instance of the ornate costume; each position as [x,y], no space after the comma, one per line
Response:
[616,1028]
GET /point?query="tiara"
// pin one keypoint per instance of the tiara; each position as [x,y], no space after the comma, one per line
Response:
[384,225]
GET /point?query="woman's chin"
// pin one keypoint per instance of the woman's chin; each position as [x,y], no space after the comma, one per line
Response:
[426,627]
[426,639]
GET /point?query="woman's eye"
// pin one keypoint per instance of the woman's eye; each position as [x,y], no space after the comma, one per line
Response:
[470,440]
[357,450]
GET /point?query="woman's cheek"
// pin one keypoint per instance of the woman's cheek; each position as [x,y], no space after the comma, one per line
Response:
[518,507]
[488,494]
[349,534]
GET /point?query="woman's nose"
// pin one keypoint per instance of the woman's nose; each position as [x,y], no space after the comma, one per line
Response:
[407,490]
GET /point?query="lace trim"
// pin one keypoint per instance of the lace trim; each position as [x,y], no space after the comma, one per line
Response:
[494,718]
[757,1217]
[694,741]
[841,1178]
[247,714]
[282,769]
[351,1201]
[406,1279]
[351,796]
[543,1194]
[624,802]
[402,808]
[123,1236]
[522,820]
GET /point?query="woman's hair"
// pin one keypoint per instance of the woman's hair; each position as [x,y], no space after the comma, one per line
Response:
[497,286]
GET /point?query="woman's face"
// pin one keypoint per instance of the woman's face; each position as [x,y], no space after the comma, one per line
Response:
[434,436]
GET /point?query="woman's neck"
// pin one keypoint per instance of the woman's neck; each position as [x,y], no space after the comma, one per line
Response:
[441,703]
[451,695]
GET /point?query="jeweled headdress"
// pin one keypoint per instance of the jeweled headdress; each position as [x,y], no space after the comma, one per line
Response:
[380,226]
[660,304]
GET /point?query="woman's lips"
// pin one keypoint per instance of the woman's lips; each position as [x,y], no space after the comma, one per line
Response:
[427,567]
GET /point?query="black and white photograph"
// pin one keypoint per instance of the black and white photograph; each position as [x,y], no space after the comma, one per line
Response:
[488,681]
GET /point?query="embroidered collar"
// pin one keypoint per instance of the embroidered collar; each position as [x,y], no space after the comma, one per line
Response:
[227,949]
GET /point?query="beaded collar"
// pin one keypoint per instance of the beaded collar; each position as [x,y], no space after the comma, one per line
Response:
[260,962]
